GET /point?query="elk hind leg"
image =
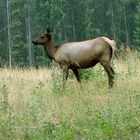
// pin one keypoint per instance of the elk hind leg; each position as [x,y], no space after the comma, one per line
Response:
[77,75]
[110,73]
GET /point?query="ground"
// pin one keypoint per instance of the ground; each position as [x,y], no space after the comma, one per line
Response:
[34,106]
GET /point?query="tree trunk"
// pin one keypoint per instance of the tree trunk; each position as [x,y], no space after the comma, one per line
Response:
[73,26]
[64,28]
[125,25]
[9,33]
[28,34]
[29,40]
[113,25]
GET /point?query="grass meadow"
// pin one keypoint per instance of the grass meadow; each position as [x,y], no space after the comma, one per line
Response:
[33,105]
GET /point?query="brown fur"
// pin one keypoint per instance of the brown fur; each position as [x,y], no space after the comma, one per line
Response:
[79,55]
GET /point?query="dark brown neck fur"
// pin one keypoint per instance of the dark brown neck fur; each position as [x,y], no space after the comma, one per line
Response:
[50,50]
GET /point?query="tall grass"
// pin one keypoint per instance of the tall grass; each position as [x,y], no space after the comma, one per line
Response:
[33,105]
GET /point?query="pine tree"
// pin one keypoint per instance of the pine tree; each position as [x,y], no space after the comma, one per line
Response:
[19,49]
[3,34]
[137,28]
[27,9]
[89,19]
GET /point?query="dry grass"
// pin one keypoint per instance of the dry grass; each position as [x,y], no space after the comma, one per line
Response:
[35,101]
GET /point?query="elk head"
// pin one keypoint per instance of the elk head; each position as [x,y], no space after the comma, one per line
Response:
[44,39]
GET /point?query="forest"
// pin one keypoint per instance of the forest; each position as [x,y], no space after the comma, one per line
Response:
[69,20]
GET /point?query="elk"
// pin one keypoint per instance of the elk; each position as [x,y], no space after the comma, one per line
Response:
[79,55]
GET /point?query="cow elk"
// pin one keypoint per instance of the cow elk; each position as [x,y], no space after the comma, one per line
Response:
[80,55]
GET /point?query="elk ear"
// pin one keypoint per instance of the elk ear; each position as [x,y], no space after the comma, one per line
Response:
[48,30]
[49,36]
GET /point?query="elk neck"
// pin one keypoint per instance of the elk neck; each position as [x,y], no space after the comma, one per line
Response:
[50,50]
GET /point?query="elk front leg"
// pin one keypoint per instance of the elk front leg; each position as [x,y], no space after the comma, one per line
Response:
[65,75]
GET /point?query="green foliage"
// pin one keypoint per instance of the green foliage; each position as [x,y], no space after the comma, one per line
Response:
[57,82]
[137,28]
[90,74]
[70,20]
[5,104]
[89,19]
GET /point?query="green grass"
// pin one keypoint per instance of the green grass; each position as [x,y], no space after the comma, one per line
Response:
[33,105]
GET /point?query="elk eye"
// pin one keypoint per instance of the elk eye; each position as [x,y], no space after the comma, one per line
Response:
[42,37]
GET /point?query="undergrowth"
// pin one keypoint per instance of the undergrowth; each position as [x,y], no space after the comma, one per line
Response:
[33,105]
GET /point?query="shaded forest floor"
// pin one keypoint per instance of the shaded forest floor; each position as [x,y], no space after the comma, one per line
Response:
[34,106]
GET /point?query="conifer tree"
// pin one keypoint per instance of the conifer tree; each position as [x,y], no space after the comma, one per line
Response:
[137,28]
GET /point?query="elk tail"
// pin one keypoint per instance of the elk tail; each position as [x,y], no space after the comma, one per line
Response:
[112,44]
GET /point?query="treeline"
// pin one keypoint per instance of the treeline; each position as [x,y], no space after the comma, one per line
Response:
[70,20]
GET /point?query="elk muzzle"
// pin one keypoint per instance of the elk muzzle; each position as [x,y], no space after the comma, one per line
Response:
[34,42]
